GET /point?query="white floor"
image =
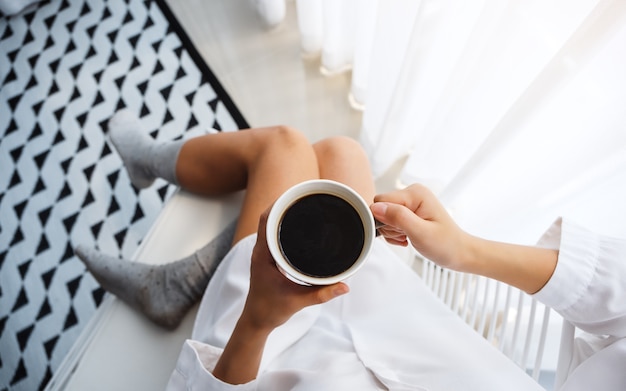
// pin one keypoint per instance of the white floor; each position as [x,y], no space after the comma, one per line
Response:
[263,71]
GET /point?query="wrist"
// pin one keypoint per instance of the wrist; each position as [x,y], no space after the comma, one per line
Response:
[251,326]
[241,358]
[470,258]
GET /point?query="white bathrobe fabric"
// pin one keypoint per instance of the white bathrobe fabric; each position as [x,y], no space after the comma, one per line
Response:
[391,332]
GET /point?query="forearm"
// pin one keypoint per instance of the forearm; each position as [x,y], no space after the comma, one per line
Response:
[241,358]
[525,267]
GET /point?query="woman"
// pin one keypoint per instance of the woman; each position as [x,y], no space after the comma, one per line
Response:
[382,329]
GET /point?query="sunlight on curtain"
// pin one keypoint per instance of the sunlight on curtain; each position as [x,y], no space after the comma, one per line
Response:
[511,111]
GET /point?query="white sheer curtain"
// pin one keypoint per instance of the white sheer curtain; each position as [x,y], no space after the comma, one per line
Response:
[513,112]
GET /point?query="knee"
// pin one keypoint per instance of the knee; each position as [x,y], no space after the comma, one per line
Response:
[283,139]
[289,137]
[339,147]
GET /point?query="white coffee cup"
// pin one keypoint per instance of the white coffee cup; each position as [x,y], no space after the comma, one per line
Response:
[294,195]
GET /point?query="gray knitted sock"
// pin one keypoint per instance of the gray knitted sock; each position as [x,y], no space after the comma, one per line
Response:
[163,293]
[144,158]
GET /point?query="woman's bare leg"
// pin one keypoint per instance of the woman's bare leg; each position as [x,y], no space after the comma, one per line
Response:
[342,159]
[264,161]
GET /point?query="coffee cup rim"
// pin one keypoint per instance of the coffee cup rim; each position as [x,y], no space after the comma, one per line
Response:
[301,190]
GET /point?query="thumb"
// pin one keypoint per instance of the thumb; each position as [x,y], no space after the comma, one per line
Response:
[395,215]
[329,292]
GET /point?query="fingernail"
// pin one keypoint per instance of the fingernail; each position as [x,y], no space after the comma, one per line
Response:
[379,208]
[340,290]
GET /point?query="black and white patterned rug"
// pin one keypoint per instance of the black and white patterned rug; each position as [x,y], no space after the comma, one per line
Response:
[65,67]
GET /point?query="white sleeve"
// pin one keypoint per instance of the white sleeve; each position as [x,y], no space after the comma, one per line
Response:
[588,287]
[194,370]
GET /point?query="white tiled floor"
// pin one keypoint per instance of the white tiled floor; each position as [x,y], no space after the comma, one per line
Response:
[263,71]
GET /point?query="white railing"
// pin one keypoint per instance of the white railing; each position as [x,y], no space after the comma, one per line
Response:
[517,324]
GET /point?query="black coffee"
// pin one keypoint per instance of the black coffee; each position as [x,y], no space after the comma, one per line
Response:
[321,235]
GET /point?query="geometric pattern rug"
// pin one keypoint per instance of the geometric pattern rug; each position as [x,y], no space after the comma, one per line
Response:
[65,67]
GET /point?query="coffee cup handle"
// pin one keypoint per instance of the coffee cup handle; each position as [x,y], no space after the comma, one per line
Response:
[377,225]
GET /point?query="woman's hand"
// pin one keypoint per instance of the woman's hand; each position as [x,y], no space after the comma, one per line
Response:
[414,214]
[272,300]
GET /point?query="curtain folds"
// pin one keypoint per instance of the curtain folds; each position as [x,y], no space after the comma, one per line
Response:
[511,111]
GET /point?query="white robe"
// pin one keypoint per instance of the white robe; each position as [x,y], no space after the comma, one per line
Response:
[588,288]
[391,332]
